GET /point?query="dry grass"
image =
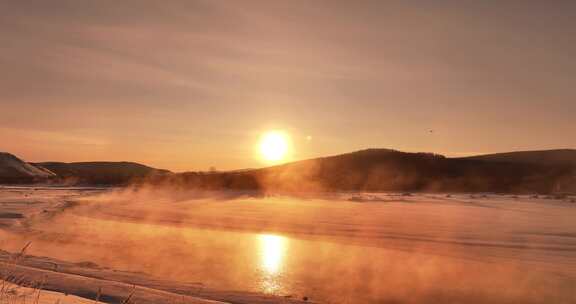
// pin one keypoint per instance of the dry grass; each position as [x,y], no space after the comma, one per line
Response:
[14,288]
[17,289]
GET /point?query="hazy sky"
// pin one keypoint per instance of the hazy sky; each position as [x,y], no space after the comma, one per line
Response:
[185,85]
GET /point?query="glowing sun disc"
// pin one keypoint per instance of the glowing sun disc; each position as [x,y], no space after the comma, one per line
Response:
[274,146]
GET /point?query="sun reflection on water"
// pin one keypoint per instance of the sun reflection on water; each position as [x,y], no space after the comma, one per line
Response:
[272,254]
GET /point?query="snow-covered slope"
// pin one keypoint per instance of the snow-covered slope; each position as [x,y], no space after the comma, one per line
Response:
[13,169]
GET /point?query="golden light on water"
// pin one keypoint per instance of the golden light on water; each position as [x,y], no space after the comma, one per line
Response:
[272,249]
[272,255]
[274,146]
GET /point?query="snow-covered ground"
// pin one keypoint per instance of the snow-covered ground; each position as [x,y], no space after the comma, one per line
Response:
[329,248]
[14,294]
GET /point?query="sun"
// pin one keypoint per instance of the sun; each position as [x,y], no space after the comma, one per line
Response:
[274,146]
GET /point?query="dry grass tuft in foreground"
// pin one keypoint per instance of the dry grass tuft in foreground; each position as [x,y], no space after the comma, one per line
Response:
[17,289]
[13,286]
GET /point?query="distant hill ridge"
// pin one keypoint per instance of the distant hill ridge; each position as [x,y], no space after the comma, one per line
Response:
[13,170]
[547,157]
[365,170]
[101,172]
[391,170]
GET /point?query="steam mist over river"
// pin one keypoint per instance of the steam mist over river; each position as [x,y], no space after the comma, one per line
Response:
[362,248]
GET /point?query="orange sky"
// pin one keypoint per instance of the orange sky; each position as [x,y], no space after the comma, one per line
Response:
[186,85]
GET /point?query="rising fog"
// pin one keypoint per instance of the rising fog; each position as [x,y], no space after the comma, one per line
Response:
[347,248]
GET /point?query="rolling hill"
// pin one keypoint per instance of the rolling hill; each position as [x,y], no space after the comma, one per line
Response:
[546,157]
[15,170]
[104,173]
[365,170]
[390,170]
